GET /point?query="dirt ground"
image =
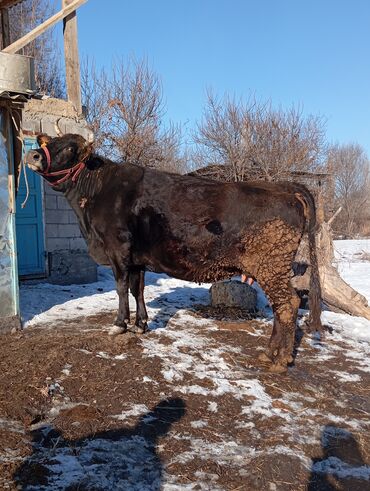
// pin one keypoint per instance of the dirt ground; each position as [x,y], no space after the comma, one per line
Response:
[184,407]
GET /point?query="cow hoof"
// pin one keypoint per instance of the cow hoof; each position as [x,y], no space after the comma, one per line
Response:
[278,368]
[115,330]
[139,328]
[264,358]
[121,322]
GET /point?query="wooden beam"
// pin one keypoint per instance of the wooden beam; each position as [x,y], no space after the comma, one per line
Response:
[5,32]
[23,41]
[71,57]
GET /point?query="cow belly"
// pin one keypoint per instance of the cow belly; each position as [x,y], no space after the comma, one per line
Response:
[205,273]
[209,264]
[97,253]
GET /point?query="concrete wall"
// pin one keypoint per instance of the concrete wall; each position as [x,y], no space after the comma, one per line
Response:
[68,260]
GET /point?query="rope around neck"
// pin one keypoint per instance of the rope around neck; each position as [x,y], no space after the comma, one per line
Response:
[72,172]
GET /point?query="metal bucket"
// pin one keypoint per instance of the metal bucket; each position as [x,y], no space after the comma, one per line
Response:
[17,74]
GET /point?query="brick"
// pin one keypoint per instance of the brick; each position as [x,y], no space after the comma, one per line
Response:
[78,244]
[31,125]
[69,230]
[56,216]
[62,203]
[72,127]
[48,190]
[52,230]
[57,244]
[72,218]
[47,126]
[50,202]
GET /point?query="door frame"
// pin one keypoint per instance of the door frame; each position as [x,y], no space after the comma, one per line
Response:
[32,142]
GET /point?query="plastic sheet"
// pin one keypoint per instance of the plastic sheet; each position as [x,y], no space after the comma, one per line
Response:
[8,272]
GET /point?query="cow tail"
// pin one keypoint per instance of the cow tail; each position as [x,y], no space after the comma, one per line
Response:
[314,296]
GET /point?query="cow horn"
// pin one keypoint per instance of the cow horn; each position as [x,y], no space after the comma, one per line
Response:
[90,137]
[58,131]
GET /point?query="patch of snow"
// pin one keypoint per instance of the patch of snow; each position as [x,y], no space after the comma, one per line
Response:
[347,377]
[353,423]
[198,424]
[171,483]
[348,327]
[136,410]
[290,452]
[350,249]
[47,304]
[120,357]
[13,426]
[330,432]
[67,370]
[225,452]
[335,466]
[148,379]
[102,354]
[212,407]
[129,463]
[85,351]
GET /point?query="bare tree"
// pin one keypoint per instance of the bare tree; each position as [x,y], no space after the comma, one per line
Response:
[125,110]
[351,168]
[48,72]
[253,140]
[95,90]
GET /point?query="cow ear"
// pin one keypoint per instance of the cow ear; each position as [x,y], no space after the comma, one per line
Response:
[43,139]
[94,162]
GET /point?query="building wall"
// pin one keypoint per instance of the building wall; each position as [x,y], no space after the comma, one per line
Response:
[67,257]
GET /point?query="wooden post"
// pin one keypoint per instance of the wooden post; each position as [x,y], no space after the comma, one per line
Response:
[5,41]
[71,59]
[320,214]
[30,36]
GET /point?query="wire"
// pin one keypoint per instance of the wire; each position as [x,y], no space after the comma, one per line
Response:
[23,164]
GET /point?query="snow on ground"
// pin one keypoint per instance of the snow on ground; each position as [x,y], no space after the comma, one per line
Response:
[45,304]
[351,267]
[188,350]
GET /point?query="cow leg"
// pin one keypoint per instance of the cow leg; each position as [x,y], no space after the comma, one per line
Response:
[137,289]
[285,303]
[123,315]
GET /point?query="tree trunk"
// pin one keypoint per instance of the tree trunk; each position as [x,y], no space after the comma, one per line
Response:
[336,293]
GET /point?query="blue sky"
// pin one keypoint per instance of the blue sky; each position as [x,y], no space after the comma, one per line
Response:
[307,52]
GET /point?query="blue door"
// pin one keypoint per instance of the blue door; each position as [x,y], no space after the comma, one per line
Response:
[29,223]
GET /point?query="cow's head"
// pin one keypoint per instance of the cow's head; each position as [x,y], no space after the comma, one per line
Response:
[59,159]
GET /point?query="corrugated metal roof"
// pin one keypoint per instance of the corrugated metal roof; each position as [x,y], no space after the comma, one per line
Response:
[219,172]
[9,3]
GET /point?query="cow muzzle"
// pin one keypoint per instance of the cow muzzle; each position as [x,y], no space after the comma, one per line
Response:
[34,160]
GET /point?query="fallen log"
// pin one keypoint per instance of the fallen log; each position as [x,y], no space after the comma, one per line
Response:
[338,295]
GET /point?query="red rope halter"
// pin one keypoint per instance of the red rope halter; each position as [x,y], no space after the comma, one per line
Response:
[73,172]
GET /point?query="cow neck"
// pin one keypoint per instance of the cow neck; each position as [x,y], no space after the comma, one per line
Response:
[91,181]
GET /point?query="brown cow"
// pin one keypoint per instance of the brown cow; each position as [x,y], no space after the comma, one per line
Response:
[192,228]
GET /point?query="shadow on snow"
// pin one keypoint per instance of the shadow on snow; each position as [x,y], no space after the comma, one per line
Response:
[120,459]
[341,466]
